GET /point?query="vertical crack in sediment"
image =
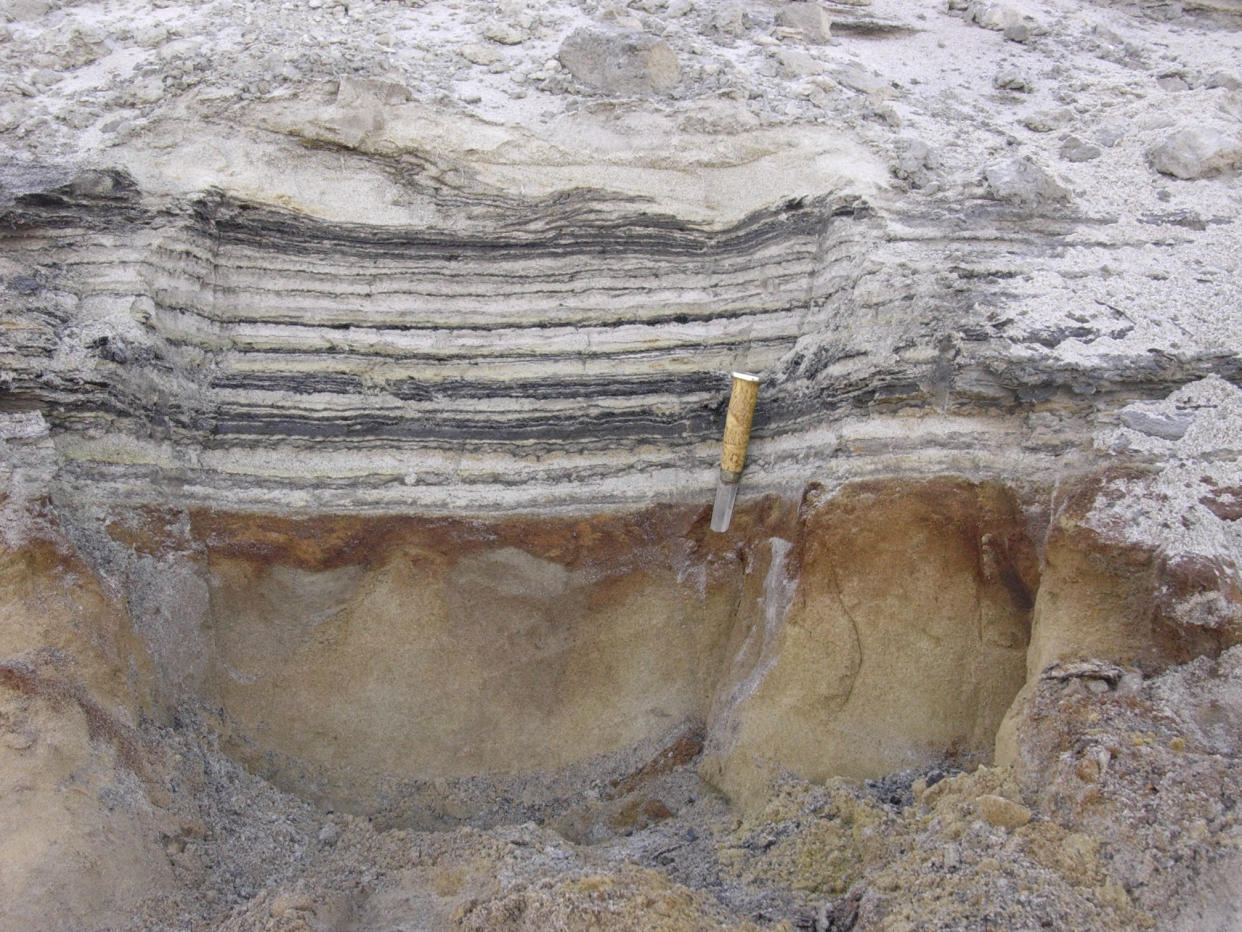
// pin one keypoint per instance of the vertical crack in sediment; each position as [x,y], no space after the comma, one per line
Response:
[839,592]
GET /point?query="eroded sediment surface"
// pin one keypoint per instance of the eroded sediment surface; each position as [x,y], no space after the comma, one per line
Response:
[362,368]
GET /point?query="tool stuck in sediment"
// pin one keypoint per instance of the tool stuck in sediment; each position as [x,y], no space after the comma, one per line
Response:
[733,452]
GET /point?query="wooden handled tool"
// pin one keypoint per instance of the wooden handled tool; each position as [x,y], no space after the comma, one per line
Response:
[733,453]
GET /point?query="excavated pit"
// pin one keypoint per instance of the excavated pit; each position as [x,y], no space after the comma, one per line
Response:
[627,685]
[427,669]
[435,671]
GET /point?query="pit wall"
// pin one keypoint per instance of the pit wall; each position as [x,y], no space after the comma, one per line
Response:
[902,641]
[75,680]
[429,671]
[374,663]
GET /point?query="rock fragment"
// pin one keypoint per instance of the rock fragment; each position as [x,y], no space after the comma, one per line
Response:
[1006,18]
[951,857]
[26,11]
[480,54]
[24,284]
[352,92]
[1098,670]
[1075,150]
[96,183]
[796,63]
[1021,181]
[731,20]
[857,78]
[1171,426]
[915,161]
[1018,32]
[1011,79]
[1197,152]
[359,109]
[1045,121]
[505,33]
[1002,812]
[1172,82]
[1219,79]
[620,62]
[809,18]
[1110,134]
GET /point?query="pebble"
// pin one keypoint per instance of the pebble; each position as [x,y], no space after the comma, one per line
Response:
[151,36]
[146,92]
[1018,32]
[45,78]
[1088,770]
[993,16]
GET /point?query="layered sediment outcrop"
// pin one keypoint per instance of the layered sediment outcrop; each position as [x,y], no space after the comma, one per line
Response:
[359,410]
[562,354]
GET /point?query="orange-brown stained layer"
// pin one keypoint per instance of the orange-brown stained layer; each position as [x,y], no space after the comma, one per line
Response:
[960,510]
[322,542]
[58,614]
[151,530]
